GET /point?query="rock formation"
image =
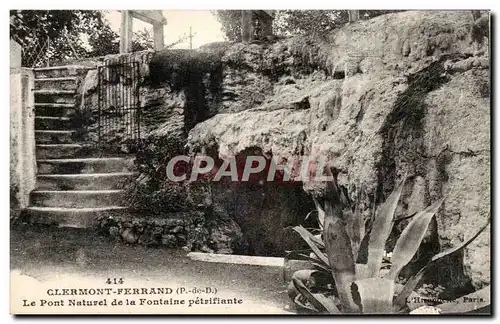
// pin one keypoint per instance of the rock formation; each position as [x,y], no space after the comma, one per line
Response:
[401,93]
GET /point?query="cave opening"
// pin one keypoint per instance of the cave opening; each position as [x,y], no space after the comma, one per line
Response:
[265,210]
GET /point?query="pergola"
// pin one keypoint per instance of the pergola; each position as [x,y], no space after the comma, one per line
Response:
[153,17]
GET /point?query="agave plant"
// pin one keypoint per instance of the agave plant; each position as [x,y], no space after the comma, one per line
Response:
[338,284]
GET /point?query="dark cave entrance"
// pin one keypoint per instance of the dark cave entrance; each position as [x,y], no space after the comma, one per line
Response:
[265,210]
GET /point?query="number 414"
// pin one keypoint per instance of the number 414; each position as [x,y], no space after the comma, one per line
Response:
[114,281]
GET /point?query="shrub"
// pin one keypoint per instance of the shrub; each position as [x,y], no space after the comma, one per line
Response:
[151,192]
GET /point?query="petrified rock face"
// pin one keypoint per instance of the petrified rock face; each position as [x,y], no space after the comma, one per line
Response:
[400,93]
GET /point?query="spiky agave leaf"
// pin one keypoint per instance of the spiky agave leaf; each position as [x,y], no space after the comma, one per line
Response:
[294,293]
[317,263]
[302,275]
[361,271]
[319,301]
[357,230]
[309,215]
[360,221]
[375,295]
[362,256]
[298,301]
[349,218]
[381,228]
[339,252]
[315,238]
[343,194]
[321,213]
[411,284]
[482,298]
[410,239]
[352,220]
[297,255]
[311,241]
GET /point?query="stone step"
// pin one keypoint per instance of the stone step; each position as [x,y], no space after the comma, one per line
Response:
[60,71]
[54,136]
[85,165]
[90,181]
[76,198]
[237,259]
[70,217]
[62,83]
[59,151]
[55,96]
[53,123]
[55,109]
[54,92]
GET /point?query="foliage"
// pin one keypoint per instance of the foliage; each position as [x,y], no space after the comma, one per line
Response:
[181,67]
[143,40]
[231,23]
[31,28]
[66,31]
[152,192]
[294,22]
[356,287]
[308,22]
[316,22]
[103,41]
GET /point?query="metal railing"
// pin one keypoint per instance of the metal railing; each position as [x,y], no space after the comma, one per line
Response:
[36,53]
[118,116]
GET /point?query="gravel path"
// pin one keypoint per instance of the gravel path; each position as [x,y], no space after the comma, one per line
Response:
[73,258]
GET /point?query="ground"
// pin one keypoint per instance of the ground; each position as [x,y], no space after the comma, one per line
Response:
[54,256]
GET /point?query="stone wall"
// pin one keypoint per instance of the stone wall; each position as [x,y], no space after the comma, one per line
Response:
[177,89]
[103,88]
[22,134]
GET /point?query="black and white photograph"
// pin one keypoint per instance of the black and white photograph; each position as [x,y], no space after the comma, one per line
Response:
[250,162]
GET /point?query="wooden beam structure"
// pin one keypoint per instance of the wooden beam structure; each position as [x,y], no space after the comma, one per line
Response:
[126,32]
[265,18]
[153,17]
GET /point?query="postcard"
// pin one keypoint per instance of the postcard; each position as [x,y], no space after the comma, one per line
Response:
[250,162]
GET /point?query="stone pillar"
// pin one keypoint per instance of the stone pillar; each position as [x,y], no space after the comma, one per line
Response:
[246,26]
[158,36]
[15,57]
[267,25]
[126,32]
[353,15]
[22,130]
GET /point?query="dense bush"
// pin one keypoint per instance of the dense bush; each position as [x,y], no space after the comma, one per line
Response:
[152,192]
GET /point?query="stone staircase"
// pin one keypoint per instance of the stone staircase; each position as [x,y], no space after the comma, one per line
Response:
[75,184]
